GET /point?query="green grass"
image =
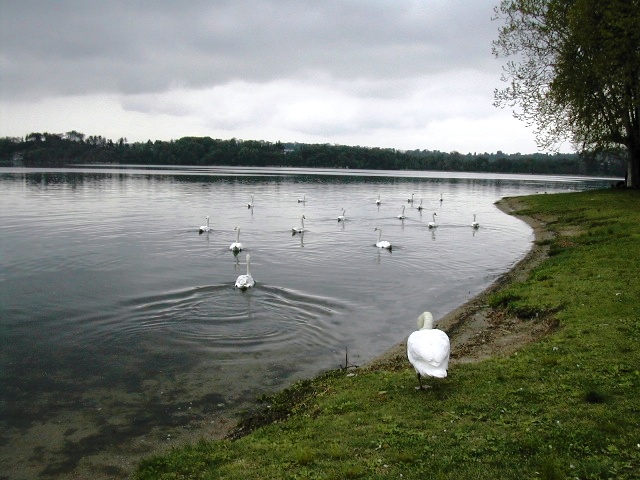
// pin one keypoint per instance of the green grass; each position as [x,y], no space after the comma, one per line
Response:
[567,406]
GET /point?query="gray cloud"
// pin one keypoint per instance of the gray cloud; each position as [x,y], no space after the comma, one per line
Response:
[75,47]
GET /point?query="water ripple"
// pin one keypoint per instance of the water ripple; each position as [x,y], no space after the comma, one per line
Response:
[225,319]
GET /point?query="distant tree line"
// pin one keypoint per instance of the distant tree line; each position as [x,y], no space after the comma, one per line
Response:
[72,148]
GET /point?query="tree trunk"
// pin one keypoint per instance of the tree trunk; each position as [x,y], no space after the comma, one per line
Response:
[633,167]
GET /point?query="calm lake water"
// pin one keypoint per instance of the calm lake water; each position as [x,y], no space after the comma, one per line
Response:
[122,332]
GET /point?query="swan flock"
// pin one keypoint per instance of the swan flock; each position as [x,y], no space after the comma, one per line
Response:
[246,281]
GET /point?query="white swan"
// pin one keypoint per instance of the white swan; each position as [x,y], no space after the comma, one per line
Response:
[342,218]
[378,202]
[420,207]
[382,243]
[250,204]
[410,200]
[440,197]
[299,229]
[303,199]
[245,281]
[432,223]
[205,228]
[475,224]
[428,350]
[236,246]
[401,216]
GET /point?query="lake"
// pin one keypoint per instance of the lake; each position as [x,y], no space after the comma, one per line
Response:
[122,332]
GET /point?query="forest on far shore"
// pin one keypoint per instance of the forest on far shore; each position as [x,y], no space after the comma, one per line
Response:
[72,148]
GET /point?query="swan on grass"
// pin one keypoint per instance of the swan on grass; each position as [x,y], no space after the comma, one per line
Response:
[245,281]
[236,246]
[299,229]
[475,224]
[428,350]
[382,243]
[432,223]
[401,216]
[250,204]
[378,201]
[204,228]
[342,218]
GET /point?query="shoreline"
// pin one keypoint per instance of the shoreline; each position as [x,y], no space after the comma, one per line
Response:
[475,330]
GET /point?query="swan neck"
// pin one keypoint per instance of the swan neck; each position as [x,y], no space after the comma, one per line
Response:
[425,321]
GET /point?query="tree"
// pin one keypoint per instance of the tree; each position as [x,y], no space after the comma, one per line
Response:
[574,72]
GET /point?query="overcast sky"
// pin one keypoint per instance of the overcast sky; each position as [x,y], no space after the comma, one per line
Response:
[407,74]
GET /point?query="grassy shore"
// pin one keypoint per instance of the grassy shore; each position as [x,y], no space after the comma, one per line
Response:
[565,405]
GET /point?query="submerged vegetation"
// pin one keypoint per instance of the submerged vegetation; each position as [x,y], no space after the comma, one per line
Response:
[565,406]
[72,148]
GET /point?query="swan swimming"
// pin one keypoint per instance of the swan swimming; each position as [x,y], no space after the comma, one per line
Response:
[475,224]
[410,200]
[382,243]
[205,228]
[428,350]
[245,281]
[299,229]
[303,199]
[401,216]
[378,202]
[432,223]
[236,246]
[420,207]
[441,197]
[342,218]
[250,204]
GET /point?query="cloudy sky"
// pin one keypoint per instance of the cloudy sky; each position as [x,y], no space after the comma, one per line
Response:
[405,74]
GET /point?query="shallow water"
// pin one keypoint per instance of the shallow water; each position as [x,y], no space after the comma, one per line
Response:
[121,328]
